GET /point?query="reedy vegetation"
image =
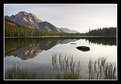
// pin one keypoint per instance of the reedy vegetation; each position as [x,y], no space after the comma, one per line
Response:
[69,69]
[16,72]
[100,69]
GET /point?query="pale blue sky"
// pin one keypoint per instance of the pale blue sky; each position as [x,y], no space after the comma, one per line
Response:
[78,17]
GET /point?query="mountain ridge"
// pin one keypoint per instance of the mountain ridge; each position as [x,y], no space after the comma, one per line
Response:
[66,30]
[30,20]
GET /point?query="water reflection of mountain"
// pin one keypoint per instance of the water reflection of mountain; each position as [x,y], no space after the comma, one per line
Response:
[29,48]
[26,52]
[103,41]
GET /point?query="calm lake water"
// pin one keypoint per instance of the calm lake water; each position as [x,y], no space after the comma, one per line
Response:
[42,56]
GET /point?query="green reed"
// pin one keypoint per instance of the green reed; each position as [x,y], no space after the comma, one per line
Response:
[70,68]
[100,69]
[16,72]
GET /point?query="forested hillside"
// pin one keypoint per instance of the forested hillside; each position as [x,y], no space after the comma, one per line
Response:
[107,32]
[14,30]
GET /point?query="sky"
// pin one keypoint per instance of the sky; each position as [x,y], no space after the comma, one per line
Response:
[79,17]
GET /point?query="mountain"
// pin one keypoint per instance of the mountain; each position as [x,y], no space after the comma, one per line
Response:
[66,30]
[32,21]
[26,19]
[49,27]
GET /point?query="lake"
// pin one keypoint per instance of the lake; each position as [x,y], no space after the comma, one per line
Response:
[45,57]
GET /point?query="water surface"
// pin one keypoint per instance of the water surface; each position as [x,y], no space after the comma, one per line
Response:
[36,55]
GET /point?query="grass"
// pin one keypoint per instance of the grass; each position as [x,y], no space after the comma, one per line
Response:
[70,68]
[18,73]
[100,69]
[68,75]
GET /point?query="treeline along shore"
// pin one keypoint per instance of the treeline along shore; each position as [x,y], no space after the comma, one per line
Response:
[13,30]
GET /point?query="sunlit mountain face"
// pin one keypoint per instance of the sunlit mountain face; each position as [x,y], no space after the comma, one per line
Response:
[32,21]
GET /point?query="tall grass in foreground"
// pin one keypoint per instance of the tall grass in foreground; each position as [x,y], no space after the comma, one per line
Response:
[18,73]
[100,69]
[70,68]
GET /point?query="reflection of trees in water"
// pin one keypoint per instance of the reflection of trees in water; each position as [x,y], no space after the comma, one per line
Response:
[29,48]
[103,41]
[13,44]
[26,52]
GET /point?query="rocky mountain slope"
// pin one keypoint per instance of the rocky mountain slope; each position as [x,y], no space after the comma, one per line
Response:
[31,21]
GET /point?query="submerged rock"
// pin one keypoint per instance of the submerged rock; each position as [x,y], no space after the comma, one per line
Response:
[83,48]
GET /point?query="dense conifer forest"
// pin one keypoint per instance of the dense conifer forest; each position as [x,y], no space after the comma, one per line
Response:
[14,30]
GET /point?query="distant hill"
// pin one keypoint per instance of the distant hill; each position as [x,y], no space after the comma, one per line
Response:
[13,29]
[32,21]
[66,30]
[107,32]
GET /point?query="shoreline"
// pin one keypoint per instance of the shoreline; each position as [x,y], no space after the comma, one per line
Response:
[63,37]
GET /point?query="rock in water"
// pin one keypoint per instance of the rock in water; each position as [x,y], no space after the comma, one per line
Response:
[83,48]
